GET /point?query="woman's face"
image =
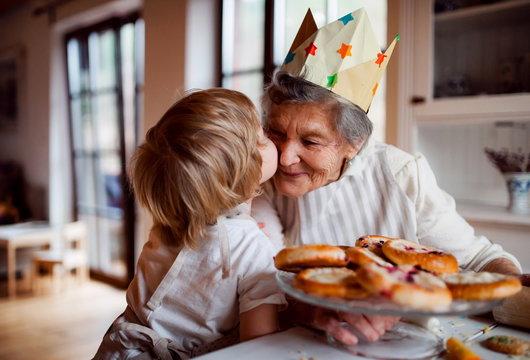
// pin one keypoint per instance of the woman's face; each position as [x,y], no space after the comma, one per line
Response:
[311,152]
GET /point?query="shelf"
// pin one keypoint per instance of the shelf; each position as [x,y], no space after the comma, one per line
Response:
[495,15]
[484,13]
[491,214]
[486,47]
[482,50]
[474,109]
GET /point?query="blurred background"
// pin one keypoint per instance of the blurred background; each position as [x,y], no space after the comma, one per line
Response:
[82,80]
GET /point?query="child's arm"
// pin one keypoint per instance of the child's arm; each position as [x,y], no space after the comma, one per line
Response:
[261,320]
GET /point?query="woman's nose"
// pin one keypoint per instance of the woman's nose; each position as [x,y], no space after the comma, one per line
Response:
[289,153]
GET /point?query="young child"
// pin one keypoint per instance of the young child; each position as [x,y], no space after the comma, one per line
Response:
[206,267]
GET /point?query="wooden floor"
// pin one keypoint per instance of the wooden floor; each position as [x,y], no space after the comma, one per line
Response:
[64,326]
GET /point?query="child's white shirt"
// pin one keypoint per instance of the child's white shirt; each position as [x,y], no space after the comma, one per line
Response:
[186,299]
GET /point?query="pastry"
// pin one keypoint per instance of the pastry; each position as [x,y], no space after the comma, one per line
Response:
[405,285]
[459,351]
[405,252]
[297,258]
[481,285]
[507,344]
[360,256]
[339,282]
[373,243]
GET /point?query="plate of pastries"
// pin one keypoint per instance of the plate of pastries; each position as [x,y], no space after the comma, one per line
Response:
[389,276]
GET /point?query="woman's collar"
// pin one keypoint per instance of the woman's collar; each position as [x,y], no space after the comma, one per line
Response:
[368,148]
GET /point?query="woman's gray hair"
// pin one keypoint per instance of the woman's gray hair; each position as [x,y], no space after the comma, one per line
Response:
[351,122]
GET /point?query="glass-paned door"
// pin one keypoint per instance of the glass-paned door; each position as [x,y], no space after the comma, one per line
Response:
[105,78]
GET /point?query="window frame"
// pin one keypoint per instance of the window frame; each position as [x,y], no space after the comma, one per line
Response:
[268,60]
[128,203]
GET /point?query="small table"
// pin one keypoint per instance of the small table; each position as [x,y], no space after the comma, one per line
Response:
[13,237]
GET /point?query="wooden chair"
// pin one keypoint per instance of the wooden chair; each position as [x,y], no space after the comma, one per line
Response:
[66,262]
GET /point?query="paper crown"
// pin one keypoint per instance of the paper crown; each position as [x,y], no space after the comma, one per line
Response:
[343,56]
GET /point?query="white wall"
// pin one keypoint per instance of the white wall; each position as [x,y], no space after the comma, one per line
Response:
[165,28]
[27,144]
[513,238]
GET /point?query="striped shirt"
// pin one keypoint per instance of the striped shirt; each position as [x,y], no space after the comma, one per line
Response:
[385,191]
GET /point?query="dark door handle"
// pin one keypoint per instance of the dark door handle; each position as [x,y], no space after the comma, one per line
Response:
[417,100]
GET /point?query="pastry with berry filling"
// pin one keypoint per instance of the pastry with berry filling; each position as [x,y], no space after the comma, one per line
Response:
[405,285]
[373,243]
[338,282]
[295,259]
[360,256]
[405,252]
[481,285]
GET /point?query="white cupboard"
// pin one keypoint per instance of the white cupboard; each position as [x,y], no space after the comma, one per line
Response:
[461,83]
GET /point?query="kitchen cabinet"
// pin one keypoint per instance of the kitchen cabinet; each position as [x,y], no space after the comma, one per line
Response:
[463,84]
[461,101]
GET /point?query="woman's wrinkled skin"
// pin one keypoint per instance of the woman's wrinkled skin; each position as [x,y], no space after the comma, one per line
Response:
[311,152]
[311,155]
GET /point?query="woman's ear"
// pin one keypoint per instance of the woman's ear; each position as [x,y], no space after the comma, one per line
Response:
[350,154]
[352,150]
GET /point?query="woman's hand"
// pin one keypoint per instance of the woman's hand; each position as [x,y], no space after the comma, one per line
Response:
[525,279]
[370,326]
[330,321]
[502,266]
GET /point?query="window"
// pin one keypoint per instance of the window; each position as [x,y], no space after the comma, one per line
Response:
[243,46]
[256,35]
[105,82]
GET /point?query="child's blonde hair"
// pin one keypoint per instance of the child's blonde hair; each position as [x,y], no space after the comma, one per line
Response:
[199,161]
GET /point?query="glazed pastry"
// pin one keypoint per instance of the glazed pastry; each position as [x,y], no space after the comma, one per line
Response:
[360,256]
[405,285]
[481,285]
[405,252]
[339,282]
[373,243]
[294,259]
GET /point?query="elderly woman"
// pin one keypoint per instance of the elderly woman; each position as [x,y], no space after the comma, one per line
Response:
[335,184]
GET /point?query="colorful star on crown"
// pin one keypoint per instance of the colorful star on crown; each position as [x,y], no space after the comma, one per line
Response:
[343,56]
[332,80]
[345,50]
